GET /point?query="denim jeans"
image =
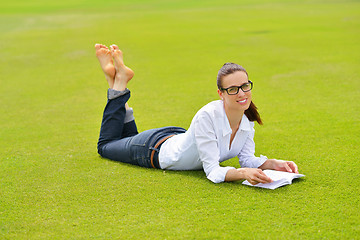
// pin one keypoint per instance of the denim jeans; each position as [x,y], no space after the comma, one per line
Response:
[120,141]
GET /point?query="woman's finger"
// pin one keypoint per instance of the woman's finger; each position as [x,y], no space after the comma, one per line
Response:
[263,178]
[294,167]
[287,167]
[253,182]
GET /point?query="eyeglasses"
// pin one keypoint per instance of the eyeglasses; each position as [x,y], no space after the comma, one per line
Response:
[235,89]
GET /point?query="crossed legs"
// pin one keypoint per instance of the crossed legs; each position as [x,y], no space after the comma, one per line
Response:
[117,120]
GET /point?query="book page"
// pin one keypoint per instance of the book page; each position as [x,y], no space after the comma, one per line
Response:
[279,179]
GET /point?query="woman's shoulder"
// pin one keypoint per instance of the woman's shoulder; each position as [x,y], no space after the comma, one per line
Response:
[214,109]
[212,114]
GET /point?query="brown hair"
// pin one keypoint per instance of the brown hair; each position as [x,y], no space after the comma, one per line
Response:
[251,113]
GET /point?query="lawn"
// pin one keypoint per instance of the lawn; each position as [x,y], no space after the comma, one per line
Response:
[303,58]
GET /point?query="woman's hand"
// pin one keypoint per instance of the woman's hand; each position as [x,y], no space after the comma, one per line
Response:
[254,175]
[280,165]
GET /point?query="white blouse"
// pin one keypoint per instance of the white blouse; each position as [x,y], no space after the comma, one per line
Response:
[207,143]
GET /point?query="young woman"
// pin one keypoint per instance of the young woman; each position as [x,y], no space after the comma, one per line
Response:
[219,131]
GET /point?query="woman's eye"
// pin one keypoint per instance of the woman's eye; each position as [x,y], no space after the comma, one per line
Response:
[233,90]
[245,86]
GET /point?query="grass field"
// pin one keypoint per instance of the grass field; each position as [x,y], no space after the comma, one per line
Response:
[303,57]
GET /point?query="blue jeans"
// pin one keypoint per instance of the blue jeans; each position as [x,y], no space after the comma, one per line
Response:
[121,141]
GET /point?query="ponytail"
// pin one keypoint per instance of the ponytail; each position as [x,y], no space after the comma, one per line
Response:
[252,114]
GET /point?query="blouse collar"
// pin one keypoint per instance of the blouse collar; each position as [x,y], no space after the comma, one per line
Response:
[244,125]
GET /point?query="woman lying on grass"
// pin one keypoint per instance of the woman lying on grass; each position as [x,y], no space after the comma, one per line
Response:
[219,131]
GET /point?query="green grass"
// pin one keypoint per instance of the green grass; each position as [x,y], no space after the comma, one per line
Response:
[302,57]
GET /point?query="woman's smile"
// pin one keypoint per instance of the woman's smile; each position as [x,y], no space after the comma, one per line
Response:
[243,101]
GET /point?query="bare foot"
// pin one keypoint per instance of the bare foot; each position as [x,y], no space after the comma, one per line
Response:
[104,55]
[123,74]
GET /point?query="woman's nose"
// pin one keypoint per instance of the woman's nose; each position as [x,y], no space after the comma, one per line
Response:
[241,93]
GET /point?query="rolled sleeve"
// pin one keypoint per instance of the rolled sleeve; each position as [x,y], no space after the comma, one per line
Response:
[217,175]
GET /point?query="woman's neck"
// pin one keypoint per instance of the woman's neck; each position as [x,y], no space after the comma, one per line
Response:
[234,118]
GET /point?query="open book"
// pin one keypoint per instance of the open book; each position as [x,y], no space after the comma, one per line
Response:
[279,179]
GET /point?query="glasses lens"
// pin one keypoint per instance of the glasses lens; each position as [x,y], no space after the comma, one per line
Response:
[232,90]
[246,87]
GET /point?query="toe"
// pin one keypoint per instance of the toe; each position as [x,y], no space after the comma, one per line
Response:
[103,46]
[115,47]
[116,52]
[100,46]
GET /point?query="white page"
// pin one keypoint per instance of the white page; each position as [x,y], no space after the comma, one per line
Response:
[279,179]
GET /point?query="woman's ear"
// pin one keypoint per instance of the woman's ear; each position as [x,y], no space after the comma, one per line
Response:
[220,94]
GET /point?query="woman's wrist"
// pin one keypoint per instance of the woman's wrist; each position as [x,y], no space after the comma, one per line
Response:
[234,175]
[241,172]
[268,164]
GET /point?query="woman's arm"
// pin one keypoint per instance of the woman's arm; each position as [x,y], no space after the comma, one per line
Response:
[253,175]
[247,157]
[208,147]
[280,165]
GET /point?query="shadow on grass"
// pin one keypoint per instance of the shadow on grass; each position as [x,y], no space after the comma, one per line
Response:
[194,173]
[200,175]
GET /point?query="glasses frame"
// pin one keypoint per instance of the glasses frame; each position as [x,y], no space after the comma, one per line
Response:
[238,87]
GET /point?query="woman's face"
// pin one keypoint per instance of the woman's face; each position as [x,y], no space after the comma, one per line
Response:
[240,101]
